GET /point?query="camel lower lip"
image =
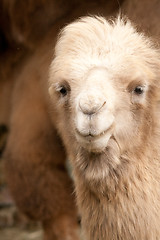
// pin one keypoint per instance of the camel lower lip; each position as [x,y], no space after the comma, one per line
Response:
[91,136]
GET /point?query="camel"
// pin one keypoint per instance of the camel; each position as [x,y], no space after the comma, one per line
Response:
[104,90]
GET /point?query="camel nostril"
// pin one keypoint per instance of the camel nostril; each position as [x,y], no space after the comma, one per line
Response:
[90,108]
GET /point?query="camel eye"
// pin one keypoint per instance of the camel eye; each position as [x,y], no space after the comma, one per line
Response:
[63,88]
[139,90]
[63,91]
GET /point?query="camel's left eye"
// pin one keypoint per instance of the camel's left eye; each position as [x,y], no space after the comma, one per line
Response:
[139,90]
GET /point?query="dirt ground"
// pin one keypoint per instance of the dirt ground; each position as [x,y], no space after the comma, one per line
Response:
[16,233]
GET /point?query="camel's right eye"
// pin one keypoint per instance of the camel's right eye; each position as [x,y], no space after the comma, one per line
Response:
[63,91]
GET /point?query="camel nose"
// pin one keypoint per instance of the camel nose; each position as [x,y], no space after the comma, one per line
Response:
[90,105]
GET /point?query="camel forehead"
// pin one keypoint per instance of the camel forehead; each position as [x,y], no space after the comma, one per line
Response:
[95,36]
[93,42]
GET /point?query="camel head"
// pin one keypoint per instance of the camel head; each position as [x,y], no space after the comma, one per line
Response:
[103,83]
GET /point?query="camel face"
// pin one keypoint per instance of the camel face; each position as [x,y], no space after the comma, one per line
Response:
[101,75]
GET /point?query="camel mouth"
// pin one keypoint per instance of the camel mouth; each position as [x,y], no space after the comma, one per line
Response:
[90,135]
[94,142]
[93,135]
